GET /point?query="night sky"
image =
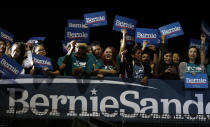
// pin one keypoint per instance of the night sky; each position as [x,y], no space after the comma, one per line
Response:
[50,22]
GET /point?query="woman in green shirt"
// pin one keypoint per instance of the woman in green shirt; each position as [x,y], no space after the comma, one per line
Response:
[109,66]
[195,60]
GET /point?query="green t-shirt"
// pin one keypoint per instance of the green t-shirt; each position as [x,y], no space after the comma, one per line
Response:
[67,70]
[100,65]
[76,62]
[94,60]
[193,68]
[84,63]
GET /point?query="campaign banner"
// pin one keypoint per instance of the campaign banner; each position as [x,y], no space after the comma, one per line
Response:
[80,35]
[125,23]
[6,36]
[95,19]
[146,34]
[197,43]
[205,29]
[171,30]
[35,40]
[42,61]
[112,98]
[196,81]
[9,67]
[76,23]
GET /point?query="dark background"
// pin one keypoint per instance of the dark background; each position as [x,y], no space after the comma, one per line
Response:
[50,22]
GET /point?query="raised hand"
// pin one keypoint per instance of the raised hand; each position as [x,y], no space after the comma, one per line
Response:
[163,38]
[72,43]
[124,31]
[145,43]
[203,38]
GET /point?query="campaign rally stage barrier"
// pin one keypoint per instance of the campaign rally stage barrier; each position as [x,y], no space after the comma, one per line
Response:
[111,98]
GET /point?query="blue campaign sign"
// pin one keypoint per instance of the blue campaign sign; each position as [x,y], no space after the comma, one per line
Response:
[6,36]
[81,35]
[205,29]
[95,19]
[196,81]
[197,43]
[76,23]
[42,61]
[9,66]
[150,35]
[171,30]
[125,23]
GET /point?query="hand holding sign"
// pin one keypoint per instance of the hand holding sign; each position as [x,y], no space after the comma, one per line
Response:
[72,47]
[193,73]
[124,32]
[163,38]
[46,70]
[152,47]
[145,43]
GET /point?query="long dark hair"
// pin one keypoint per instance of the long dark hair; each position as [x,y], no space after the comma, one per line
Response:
[162,65]
[22,48]
[198,58]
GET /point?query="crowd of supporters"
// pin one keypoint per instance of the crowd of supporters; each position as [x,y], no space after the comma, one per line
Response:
[141,61]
